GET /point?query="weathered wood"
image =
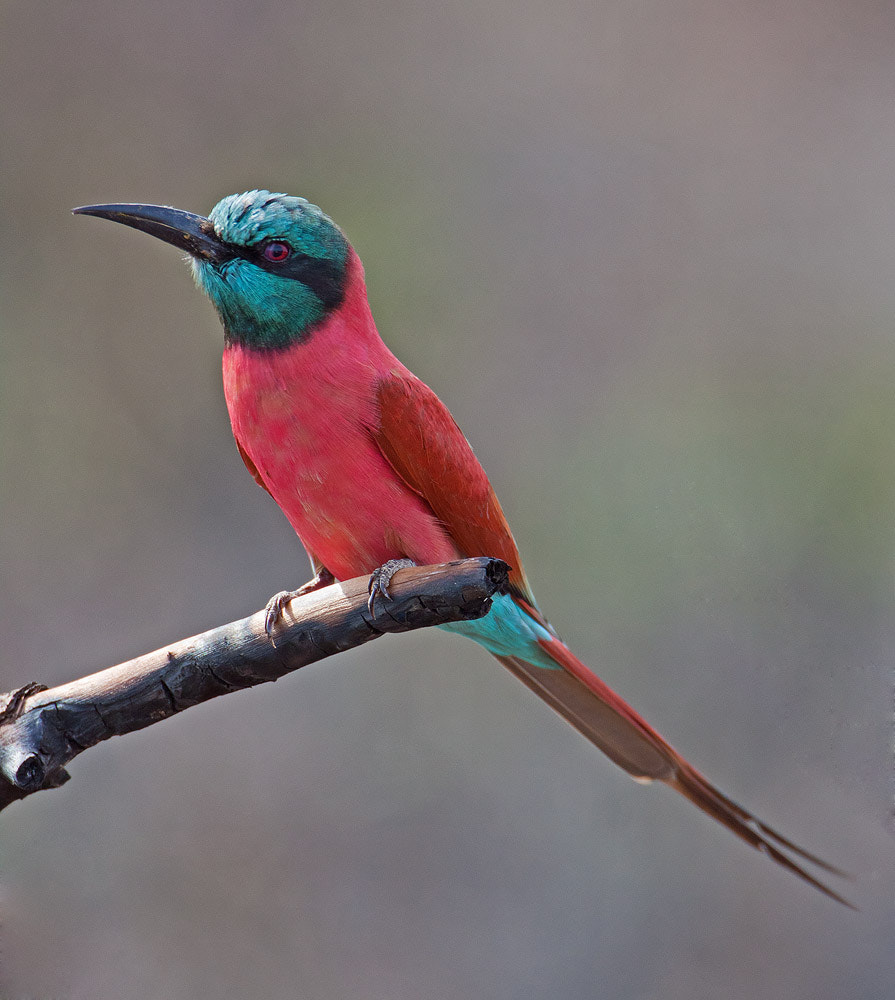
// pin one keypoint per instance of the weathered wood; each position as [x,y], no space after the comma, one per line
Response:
[42,730]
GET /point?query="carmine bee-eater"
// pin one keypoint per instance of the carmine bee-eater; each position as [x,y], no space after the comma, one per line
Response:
[371,470]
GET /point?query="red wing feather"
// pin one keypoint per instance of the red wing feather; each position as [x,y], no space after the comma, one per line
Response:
[250,465]
[316,564]
[423,444]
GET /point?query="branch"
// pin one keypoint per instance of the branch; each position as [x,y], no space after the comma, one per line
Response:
[41,730]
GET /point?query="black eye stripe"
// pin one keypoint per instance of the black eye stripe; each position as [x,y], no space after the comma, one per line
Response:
[326,279]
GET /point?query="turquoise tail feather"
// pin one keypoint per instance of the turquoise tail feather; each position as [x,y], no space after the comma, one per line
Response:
[508,630]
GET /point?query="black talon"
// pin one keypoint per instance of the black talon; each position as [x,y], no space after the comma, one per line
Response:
[380,579]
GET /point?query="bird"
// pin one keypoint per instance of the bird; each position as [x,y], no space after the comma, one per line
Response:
[373,473]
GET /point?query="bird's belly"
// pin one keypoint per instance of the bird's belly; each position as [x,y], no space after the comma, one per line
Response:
[354,514]
[321,465]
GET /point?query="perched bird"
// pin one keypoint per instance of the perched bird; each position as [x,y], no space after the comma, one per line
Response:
[371,470]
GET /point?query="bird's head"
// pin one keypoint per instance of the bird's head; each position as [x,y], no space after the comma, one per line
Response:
[273,265]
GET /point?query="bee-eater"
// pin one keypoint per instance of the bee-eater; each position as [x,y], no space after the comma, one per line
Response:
[370,468]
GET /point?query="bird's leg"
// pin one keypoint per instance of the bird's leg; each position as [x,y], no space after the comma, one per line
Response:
[380,579]
[274,608]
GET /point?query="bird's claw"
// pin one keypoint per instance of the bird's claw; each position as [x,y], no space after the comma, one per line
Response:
[274,608]
[380,579]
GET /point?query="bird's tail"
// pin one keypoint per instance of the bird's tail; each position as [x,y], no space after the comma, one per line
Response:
[597,712]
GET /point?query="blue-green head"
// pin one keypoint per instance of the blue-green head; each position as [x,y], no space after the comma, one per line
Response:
[274,266]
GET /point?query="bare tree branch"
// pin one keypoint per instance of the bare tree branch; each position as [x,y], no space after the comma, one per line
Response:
[41,730]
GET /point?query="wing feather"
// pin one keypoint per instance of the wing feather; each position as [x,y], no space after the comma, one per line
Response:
[423,444]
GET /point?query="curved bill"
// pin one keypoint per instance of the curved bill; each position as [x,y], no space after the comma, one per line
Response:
[192,233]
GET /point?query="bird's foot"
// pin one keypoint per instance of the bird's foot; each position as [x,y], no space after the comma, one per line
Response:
[382,577]
[274,607]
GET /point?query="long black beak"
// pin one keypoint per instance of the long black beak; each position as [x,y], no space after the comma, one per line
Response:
[192,233]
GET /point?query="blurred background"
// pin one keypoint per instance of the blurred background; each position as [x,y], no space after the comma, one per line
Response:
[645,253]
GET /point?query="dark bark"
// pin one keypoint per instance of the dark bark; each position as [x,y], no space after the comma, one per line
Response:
[41,730]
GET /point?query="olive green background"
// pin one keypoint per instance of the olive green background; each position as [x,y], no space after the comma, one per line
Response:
[645,252]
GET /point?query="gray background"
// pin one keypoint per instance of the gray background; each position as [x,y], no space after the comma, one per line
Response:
[645,253]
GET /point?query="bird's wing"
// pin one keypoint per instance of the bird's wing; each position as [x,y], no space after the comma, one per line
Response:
[422,442]
[250,465]
[316,564]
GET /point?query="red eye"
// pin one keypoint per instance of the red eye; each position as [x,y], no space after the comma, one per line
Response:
[276,252]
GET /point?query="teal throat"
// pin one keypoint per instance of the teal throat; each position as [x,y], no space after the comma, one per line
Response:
[257,309]
[279,269]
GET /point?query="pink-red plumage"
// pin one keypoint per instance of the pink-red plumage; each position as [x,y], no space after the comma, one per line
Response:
[307,420]
[368,465]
